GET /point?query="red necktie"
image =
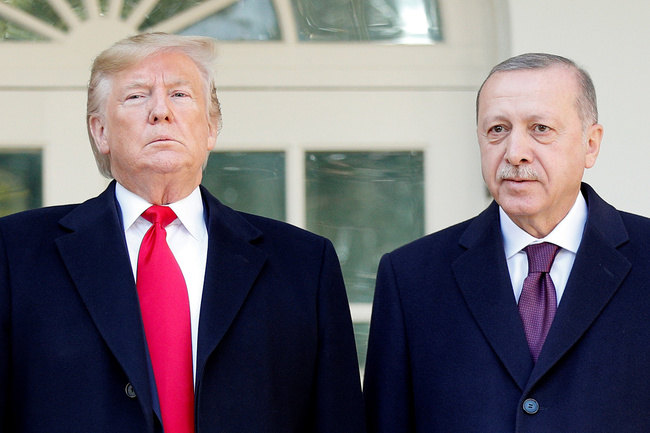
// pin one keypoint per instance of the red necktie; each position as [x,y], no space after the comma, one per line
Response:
[165,312]
[538,300]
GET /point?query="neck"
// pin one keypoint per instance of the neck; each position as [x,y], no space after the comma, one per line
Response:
[539,226]
[537,229]
[161,189]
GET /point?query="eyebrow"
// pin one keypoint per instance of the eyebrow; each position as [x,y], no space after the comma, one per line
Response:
[143,83]
[543,117]
[494,118]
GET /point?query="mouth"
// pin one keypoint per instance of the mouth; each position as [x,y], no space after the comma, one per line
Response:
[517,184]
[517,180]
[164,139]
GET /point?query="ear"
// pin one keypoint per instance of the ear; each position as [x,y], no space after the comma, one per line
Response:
[213,131]
[97,128]
[594,137]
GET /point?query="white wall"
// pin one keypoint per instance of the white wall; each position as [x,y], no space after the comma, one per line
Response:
[610,39]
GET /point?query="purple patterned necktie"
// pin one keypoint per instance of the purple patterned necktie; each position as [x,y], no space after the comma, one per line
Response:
[538,301]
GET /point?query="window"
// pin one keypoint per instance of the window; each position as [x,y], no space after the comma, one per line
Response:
[394,21]
[20,181]
[367,204]
[251,182]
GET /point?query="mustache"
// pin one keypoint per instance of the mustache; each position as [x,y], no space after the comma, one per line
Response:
[512,172]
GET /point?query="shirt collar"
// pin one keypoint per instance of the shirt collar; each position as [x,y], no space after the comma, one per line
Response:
[567,234]
[188,210]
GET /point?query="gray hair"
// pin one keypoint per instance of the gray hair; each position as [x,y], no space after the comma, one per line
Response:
[585,101]
[130,51]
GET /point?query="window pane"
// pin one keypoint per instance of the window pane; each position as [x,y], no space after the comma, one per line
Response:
[249,182]
[79,8]
[20,181]
[163,10]
[103,6]
[10,31]
[39,9]
[394,21]
[245,20]
[367,203]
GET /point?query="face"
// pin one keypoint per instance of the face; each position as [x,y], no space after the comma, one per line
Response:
[156,122]
[534,148]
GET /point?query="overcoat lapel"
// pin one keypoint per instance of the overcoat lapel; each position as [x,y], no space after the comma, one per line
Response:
[233,265]
[96,257]
[598,271]
[483,278]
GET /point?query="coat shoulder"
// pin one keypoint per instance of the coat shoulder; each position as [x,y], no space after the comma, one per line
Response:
[27,224]
[275,229]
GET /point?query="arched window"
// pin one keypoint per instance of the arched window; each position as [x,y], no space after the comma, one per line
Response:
[398,21]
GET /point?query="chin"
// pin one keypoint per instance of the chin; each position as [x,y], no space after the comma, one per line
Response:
[170,162]
[520,209]
[516,204]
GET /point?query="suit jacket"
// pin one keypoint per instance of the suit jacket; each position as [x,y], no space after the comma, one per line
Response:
[276,351]
[447,350]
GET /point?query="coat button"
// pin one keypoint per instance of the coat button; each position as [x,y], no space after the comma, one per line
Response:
[531,406]
[130,392]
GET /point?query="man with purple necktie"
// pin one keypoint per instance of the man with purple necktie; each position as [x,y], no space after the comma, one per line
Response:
[534,316]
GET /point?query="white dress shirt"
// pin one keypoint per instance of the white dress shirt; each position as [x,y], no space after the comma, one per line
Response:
[567,235]
[187,237]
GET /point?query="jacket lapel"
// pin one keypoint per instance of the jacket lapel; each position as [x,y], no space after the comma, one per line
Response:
[482,275]
[233,265]
[598,271]
[96,257]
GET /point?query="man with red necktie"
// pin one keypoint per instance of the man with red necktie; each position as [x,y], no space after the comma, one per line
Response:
[153,307]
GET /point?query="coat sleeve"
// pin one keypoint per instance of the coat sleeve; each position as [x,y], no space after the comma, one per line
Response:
[387,383]
[5,347]
[339,403]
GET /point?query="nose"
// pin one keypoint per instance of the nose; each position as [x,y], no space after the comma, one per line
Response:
[518,148]
[160,109]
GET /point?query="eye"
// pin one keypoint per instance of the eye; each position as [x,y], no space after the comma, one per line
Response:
[179,94]
[541,128]
[497,129]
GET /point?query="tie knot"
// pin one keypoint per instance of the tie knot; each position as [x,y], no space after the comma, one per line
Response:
[541,256]
[159,214]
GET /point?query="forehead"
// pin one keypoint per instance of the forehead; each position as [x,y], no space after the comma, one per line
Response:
[530,91]
[168,67]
